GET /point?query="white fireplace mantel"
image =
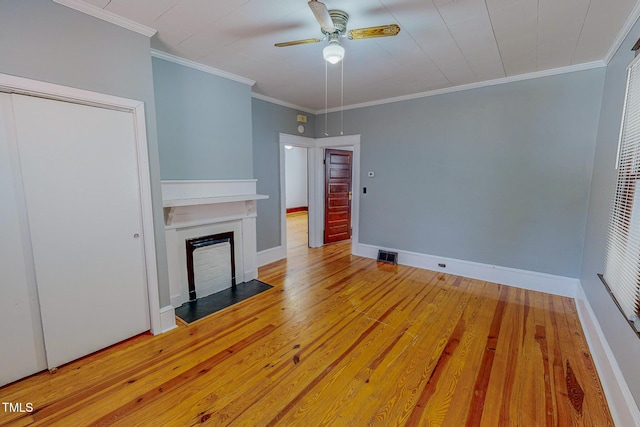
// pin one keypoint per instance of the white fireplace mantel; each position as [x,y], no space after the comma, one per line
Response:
[192,203]
[189,192]
[196,208]
[212,200]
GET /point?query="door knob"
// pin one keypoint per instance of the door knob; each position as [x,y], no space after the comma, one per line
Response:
[135,236]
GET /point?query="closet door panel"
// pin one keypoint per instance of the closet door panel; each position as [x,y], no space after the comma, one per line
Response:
[81,187]
[22,348]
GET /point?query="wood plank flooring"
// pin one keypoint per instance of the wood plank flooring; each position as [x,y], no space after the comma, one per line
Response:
[339,341]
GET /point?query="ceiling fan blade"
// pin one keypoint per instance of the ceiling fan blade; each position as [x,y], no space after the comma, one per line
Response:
[372,32]
[322,15]
[296,42]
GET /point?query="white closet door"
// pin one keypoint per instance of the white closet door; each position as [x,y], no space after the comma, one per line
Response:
[81,187]
[22,348]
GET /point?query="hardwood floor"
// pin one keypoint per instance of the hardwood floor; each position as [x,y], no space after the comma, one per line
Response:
[340,340]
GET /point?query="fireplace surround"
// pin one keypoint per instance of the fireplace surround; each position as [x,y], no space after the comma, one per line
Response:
[197,209]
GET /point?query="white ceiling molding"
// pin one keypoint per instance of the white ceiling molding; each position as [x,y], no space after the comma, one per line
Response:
[528,76]
[282,103]
[624,31]
[197,66]
[107,16]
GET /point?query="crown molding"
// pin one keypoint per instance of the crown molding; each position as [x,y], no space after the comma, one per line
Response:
[201,67]
[477,85]
[107,16]
[282,103]
[624,32]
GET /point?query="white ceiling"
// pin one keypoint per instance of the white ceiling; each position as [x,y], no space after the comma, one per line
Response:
[443,43]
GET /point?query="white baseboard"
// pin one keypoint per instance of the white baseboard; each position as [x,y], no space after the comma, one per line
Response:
[167,318]
[622,405]
[271,255]
[532,280]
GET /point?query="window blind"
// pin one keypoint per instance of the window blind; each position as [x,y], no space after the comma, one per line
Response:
[622,259]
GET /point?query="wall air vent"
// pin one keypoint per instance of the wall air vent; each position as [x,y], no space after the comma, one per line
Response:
[387,257]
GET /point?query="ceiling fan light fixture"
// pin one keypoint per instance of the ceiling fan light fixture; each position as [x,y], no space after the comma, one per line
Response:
[333,53]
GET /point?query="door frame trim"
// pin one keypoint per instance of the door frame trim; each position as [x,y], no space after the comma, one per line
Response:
[315,173]
[24,86]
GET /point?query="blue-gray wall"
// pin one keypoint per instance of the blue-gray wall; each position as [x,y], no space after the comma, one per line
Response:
[498,175]
[204,124]
[622,340]
[44,41]
[269,120]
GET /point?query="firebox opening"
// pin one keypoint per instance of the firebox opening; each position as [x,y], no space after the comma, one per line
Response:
[192,245]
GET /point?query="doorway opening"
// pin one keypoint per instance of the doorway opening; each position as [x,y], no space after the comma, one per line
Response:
[296,196]
[316,186]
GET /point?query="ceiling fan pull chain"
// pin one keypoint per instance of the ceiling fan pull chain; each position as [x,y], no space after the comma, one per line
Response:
[326,123]
[341,97]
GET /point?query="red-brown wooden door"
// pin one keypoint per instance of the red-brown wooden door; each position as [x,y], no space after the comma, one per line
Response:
[337,195]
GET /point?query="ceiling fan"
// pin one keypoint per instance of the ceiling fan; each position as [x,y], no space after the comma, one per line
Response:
[333,24]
